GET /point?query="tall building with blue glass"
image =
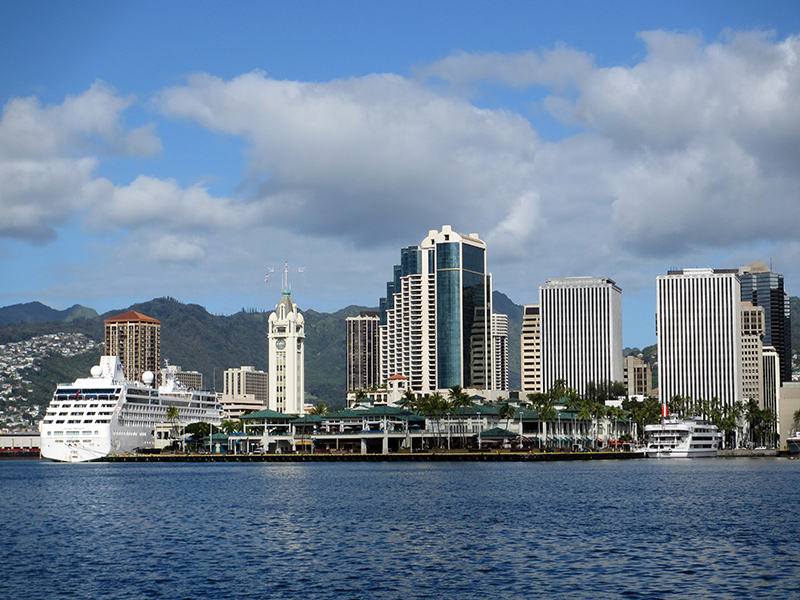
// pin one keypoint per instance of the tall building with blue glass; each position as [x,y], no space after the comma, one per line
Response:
[436,317]
[762,287]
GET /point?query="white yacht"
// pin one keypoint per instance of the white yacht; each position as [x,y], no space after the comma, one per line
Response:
[682,438]
[107,414]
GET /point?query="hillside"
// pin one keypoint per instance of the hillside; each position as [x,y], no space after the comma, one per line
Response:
[36,312]
[199,341]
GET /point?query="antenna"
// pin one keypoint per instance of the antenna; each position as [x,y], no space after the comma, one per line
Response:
[287,288]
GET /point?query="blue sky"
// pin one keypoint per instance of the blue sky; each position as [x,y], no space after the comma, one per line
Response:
[184,149]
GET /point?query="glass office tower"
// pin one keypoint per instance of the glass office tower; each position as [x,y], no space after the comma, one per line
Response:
[436,317]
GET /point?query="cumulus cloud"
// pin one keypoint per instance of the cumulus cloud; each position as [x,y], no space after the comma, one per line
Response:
[159,203]
[90,123]
[48,156]
[365,159]
[701,140]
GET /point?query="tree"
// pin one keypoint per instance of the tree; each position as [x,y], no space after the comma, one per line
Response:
[229,427]
[174,417]
[319,409]
[408,402]
[507,412]
[459,400]
[434,406]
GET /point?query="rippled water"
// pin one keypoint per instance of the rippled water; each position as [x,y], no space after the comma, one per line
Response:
[724,528]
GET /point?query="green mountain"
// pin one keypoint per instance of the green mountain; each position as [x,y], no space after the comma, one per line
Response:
[36,312]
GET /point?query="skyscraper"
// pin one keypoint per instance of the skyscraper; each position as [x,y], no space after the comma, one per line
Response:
[764,288]
[500,351]
[136,339]
[363,351]
[436,316]
[581,331]
[699,331]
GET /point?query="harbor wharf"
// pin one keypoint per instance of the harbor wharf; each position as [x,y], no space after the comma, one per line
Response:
[398,457]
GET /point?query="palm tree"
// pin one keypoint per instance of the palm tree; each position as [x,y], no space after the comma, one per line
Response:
[229,427]
[434,406]
[508,412]
[586,413]
[408,402]
[174,417]
[319,409]
[458,400]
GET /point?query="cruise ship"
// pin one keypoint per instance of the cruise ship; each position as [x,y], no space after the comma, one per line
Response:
[107,414]
[682,438]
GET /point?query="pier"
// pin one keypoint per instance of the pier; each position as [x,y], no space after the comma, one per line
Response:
[395,457]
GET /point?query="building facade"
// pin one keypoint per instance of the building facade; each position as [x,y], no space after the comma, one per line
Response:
[752,323]
[698,314]
[436,316]
[136,339]
[286,341]
[244,390]
[500,351]
[531,350]
[637,376]
[363,351]
[581,331]
[761,287]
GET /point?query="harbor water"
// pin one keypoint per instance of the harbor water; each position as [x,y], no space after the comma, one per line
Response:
[660,529]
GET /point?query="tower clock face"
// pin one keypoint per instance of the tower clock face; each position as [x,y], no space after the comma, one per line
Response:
[280,344]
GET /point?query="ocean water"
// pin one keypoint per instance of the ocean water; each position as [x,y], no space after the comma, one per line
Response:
[718,528]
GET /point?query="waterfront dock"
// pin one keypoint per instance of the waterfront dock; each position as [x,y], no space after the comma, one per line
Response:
[394,457]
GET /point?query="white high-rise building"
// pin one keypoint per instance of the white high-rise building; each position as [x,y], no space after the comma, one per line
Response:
[286,338]
[698,313]
[581,321]
[500,351]
[531,350]
[436,316]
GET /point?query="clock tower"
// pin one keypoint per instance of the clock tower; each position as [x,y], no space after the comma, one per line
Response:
[286,336]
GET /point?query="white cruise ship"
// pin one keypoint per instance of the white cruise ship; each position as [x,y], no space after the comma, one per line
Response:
[106,414]
[682,438]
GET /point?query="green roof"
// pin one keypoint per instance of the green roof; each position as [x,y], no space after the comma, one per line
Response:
[309,419]
[497,432]
[268,415]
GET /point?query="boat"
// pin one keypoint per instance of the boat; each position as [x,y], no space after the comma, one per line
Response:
[678,437]
[106,414]
[793,442]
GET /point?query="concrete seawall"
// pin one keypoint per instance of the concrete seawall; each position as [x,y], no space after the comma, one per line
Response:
[417,457]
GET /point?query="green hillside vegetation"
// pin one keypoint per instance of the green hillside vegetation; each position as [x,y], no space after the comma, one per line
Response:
[36,312]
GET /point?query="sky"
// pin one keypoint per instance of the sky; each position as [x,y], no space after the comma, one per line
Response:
[190,149]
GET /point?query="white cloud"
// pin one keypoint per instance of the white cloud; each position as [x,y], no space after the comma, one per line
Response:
[176,249]
[48,158]
[700,141]
[163,204]
[369,159]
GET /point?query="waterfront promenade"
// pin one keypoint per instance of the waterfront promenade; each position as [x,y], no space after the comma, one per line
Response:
[394,457]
